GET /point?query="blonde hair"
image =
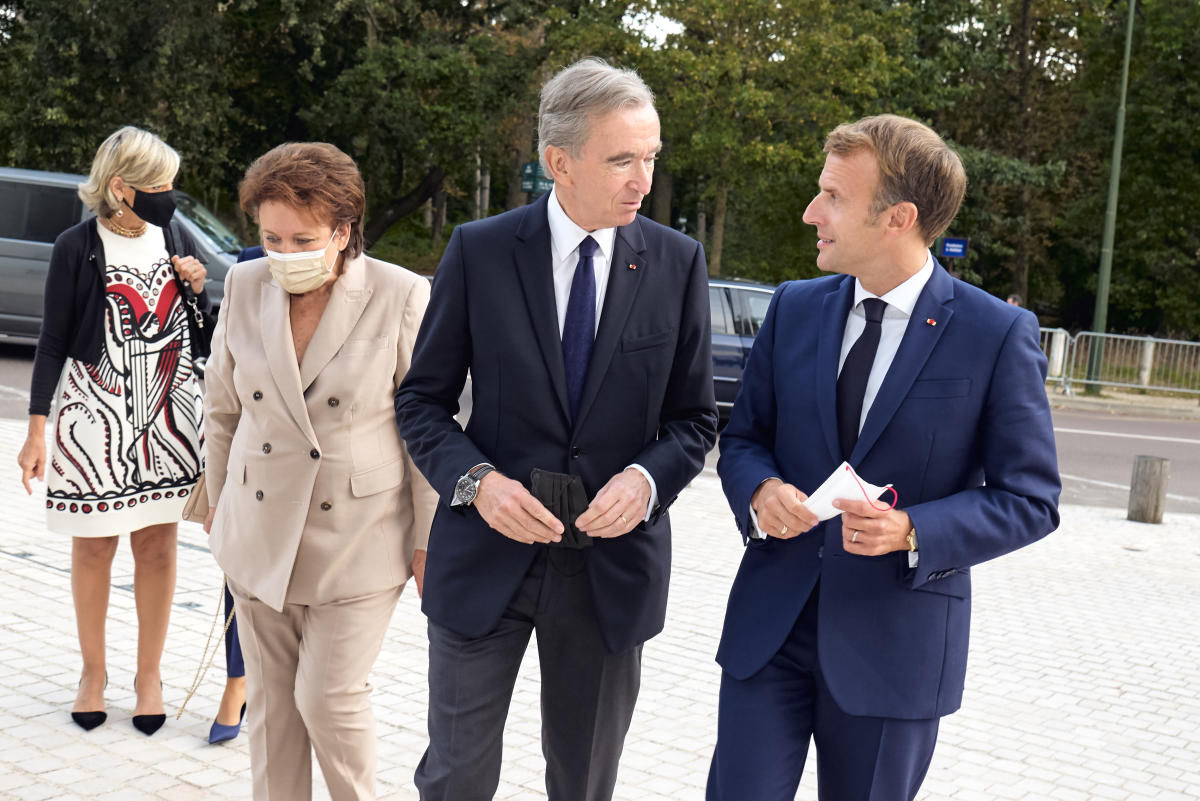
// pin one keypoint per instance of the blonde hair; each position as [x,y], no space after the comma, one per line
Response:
[915,165]
[139,157]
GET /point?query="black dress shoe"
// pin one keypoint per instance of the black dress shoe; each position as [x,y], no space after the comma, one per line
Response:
[148,724]
[89,720]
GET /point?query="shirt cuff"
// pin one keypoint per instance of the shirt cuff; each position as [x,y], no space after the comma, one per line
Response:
[914,558]
[650,507]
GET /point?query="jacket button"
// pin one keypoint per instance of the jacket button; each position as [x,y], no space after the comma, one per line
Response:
[266,447]
[333,401]
[257,395]
[314,453]
[326,506]
[820,551]
[575,453]
[258,495]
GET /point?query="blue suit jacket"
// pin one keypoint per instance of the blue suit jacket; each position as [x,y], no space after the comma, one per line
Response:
[647,399]
[961,426]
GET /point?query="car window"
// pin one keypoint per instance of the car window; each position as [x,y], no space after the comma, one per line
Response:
[35,212]
[718,310]
[753,310]
[219,236]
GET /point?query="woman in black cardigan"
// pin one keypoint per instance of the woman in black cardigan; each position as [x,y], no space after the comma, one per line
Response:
[115,357]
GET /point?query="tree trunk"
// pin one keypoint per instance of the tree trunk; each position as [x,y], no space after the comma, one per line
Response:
[661,201]
[718,233]
[1023,246]
[485,192]
[380,222]
[439,214]
[519,148]
[477,188]
[702,227]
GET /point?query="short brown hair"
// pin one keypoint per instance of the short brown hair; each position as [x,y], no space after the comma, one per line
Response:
[312,176]
[915,165]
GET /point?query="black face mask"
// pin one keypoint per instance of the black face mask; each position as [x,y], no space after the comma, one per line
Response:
[156,208]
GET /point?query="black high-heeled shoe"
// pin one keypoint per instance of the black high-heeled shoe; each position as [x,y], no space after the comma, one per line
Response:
[148,724]
[90,720]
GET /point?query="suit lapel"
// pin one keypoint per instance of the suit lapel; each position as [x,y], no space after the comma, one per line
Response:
[919,340]
[834,310]
[535,271]
[346,303]
[281,353]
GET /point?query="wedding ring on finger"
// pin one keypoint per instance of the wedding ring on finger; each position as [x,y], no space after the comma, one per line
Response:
[854,538]
[624,522]
[783,531]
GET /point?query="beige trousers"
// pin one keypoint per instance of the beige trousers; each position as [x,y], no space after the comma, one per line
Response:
[307,690]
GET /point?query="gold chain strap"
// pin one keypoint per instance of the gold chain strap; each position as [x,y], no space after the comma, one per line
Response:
[206,659]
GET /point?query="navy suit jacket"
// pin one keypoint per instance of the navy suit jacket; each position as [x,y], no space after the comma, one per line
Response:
[647,399]
[961,426]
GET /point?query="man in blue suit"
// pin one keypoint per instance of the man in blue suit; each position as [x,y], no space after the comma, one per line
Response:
[585,330]
[853,632]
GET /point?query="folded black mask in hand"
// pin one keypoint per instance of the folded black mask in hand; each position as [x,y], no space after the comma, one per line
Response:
[566,499]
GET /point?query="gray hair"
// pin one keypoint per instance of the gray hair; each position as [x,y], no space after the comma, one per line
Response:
[139,157]
[575,95]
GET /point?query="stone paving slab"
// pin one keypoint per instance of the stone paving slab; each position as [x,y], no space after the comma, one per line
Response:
[1082,684]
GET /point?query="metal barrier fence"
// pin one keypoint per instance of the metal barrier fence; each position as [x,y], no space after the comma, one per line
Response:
[1115,360]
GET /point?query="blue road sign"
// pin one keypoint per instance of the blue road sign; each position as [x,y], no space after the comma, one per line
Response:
[954,248]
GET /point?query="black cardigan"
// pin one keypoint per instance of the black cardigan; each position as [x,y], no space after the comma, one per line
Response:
[73,312]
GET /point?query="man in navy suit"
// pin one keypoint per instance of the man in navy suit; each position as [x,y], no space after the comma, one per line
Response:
[585,329]
[853,632]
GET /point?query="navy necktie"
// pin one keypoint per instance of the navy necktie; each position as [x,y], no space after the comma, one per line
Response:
[579,329]
[852,383]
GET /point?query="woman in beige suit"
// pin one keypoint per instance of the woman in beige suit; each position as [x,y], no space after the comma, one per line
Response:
[318,515]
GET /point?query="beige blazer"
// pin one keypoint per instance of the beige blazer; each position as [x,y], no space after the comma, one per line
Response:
[316,497]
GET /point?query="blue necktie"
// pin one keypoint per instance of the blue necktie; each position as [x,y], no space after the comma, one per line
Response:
[579,329]
[852,383]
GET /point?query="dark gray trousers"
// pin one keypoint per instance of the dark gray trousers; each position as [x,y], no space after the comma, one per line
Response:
[588,694]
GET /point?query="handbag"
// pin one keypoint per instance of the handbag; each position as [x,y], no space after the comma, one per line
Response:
[196,508]
[200,322]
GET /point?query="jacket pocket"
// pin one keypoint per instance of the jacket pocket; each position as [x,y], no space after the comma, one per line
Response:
[941,388]
[380,478]
[352,346]
[646,342]
[955,582]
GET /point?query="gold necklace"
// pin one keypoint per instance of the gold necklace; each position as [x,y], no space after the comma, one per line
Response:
[120,230]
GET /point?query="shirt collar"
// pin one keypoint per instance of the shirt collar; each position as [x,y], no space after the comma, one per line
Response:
[565,235]
[902,298]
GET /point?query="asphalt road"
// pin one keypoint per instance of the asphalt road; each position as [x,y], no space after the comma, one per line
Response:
[1096,450]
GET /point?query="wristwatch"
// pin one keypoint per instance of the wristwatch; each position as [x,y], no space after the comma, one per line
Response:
[912,539]
[467,486]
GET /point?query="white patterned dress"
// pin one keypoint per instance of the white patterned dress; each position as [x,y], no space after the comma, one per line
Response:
[126,449]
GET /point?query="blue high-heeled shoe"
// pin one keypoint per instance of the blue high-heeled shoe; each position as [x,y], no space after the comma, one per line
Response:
[219,732]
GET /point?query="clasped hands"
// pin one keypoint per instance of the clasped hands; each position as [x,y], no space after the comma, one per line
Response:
[866,531]
[510,509]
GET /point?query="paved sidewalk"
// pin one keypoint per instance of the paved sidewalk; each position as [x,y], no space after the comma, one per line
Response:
[1082,684]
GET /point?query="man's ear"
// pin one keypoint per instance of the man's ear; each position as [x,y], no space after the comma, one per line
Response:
[558,162]
[902,218]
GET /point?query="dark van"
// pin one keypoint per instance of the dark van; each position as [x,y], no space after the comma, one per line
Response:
[737,309]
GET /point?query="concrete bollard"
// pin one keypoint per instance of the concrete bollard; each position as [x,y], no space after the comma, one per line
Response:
[1148,488]
[1058,354]
[1146,367]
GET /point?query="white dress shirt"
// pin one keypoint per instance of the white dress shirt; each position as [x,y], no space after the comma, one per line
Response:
[565,236]
[900,304]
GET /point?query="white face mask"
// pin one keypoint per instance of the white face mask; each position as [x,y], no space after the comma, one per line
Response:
[300,272]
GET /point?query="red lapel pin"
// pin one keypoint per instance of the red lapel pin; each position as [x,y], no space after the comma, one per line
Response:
[930,321]
[633,266]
